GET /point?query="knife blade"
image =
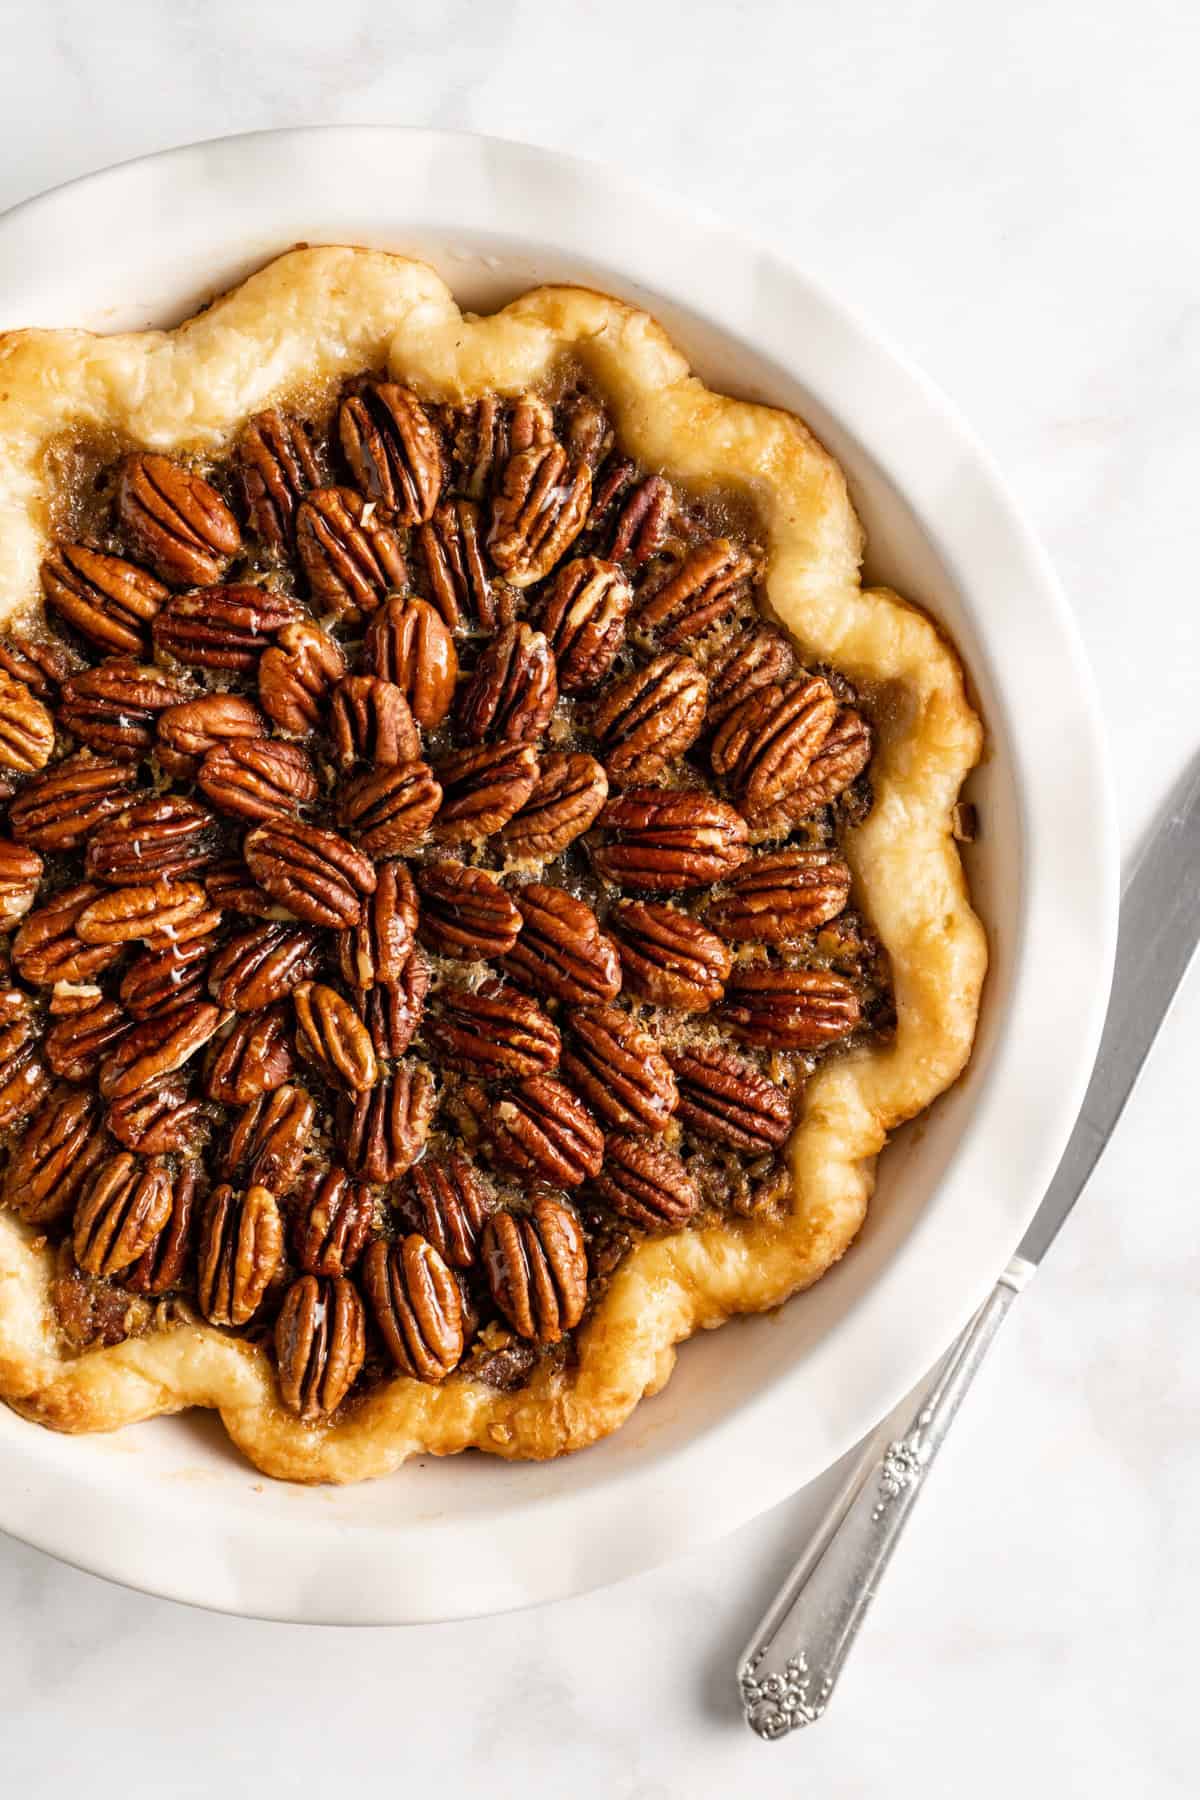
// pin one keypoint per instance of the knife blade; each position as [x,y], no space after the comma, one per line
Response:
[1156,939]
[787,1674]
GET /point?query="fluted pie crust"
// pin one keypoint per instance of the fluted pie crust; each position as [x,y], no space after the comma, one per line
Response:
[314,315]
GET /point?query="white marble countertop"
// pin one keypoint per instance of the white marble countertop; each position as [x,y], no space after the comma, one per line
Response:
[1009,191]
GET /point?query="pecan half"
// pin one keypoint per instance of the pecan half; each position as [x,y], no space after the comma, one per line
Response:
[170,975]
[670,840]
[42,663]
[254,1057]
[114,708]
[567,796]
[232,889]
[156,1047]
[536,1267]
[276,466]
[54,1159]
[24,1078]
[382,1132]
[223,627]
[408,644]
[465,912]
[149,909]
[618,1068]
[157,1119]
[377,948]
[239,1250]
[20,873]
[587,430]
[758,657]
[789,1009]
[334,1224]
[484,433]
[707,586]
[778,897]
[725,1099]
[459,584]
[767,742]
[482,790]
[392,449]
[314,873]
[391,809]
[512,692]
[668,958]
[540,509]
[370,722]
[175,520]
[392,1010]
[843,755]
[107,600]
[59,806]
[166,837]
[47,948]
[447,1203]
[258,778]
[124,1207]
[320,1343]
[643,521]
[417,1306]
[331,1036]
[540,1129]
[646,1184]
[261,966]
[163,1264]
[645,721]
[74,1047]
[562,951]
[297,674]
[26,728]
[493,1031]
[188,731]
[350,550]
[269,1140]
[584,621]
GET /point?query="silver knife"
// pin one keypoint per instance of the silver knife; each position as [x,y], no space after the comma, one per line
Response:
[794,1658]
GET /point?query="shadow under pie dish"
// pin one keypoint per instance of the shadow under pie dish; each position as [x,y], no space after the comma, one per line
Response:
[481,869]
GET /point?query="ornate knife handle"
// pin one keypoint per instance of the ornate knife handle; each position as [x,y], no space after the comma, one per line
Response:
[796,1655]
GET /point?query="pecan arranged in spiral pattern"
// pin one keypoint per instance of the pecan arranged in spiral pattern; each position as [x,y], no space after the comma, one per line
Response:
[107,600]
[297,674]
[276,466]
[270,1138]
[536,1267]
[314,873]
[174,520]
[223,627]
[447,1203]
[408,644]
[125,1206]
[320,1343]
[776,898]
[465,913]
[646,1184]
[541,1129]
[666,841]
[382,1131]
[584,621]
[703,590]
[350,551]
[417,1306]
[724,1098]
[239,1250]
[392,449]
[618,1068]
[564,803]
[789,1009]
[512,693]
[55,1158]
[26,728]
[667,957]
[333,1225]
[647,719]
[562,951]
[538,512]
[460,586]
[493,1030]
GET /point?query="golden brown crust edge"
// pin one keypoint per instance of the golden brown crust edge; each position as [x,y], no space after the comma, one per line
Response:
[314,314]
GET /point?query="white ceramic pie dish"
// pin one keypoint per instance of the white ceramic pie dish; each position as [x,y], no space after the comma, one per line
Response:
[754,1411]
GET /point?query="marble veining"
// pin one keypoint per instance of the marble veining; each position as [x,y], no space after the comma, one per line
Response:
[1007,191]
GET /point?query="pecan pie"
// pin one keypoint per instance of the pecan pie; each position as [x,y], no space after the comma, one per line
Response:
[477,876]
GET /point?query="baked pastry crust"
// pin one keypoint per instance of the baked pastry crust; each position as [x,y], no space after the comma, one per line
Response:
[311,317]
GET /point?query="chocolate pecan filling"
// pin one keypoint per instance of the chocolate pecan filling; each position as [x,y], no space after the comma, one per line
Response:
[422,879]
